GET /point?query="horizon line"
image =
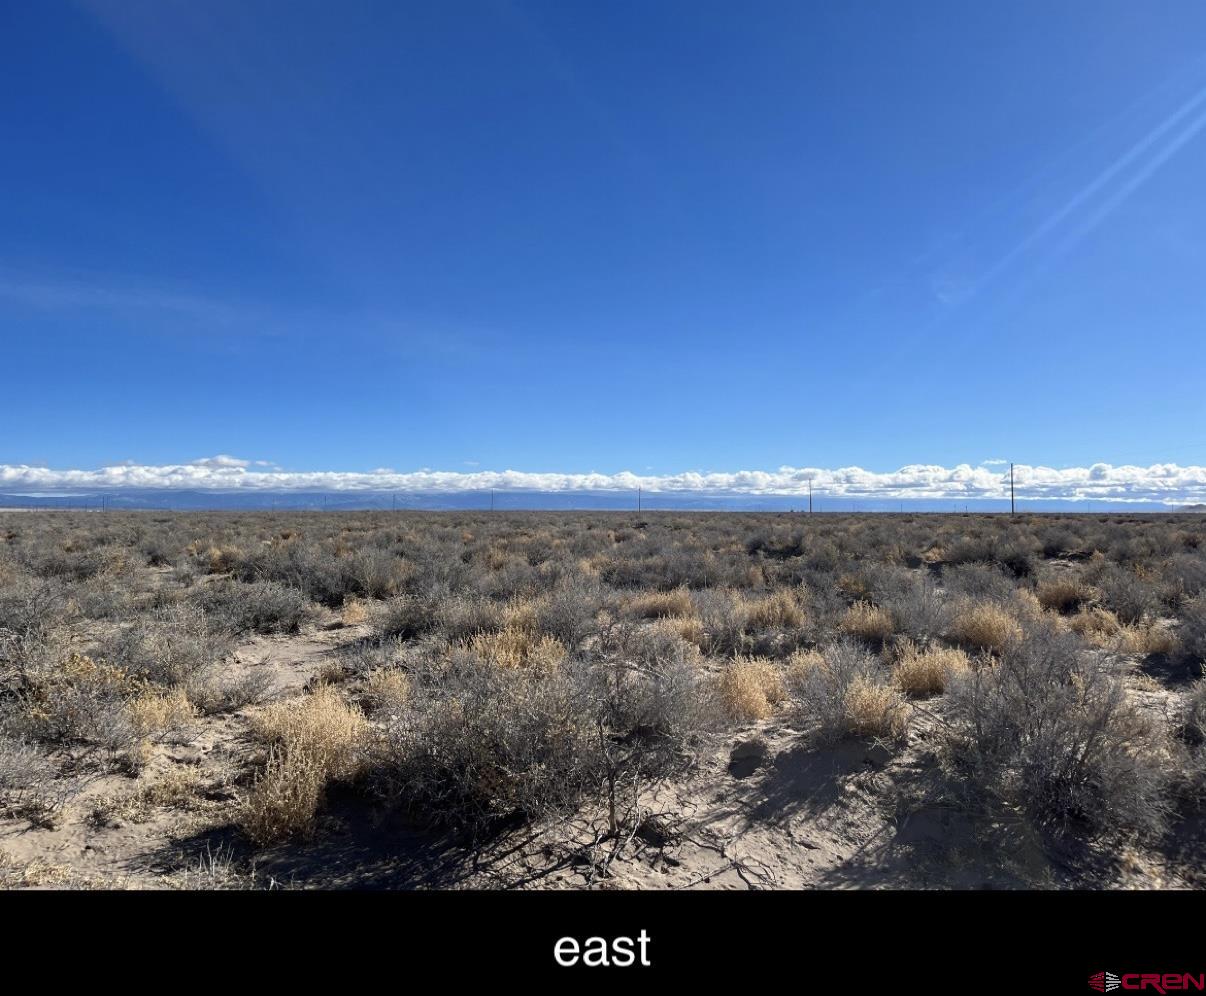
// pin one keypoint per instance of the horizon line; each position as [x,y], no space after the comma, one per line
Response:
[1162,483]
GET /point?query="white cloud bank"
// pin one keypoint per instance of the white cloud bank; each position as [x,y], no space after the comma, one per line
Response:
[1167,482]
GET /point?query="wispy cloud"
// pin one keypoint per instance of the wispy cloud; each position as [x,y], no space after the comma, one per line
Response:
[1170,483]
[207,315]
[95,292]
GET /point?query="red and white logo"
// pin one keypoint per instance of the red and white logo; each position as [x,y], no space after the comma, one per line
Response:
[1156,982]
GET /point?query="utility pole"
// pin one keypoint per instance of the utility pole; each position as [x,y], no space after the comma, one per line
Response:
[491,499]
[1012,509]
[638,497]
[810,496]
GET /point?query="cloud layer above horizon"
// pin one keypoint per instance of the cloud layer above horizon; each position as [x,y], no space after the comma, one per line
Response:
[1169,483]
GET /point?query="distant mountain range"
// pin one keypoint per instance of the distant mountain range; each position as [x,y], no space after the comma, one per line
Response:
[135,498]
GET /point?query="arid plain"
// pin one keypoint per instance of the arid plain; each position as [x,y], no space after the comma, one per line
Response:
[601,700]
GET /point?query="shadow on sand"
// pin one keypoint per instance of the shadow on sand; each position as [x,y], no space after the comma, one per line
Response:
[358,846]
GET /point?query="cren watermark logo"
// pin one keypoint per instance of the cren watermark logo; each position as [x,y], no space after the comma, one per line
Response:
[1157,982]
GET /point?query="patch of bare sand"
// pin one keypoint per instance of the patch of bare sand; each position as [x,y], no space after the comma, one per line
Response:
[118,831]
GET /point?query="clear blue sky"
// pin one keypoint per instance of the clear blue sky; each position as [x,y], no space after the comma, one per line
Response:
[653,236]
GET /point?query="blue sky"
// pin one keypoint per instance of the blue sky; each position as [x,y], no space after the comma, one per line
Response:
[564,237]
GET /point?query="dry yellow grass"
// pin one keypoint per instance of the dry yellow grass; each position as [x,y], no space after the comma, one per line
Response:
[674,604]
[778,610]
[329,673]
[800,663]
[284,800]
[669,632]
[1146,638]
[80,671]
[118,563]
[389,691]
[1098,626]
[313,741]
[1139,638]
[867,622]
[853,587]
[522,615]
[1027,608]
[321,725]
[985,626]
[21,874]
[1061,595]
[749,688]
[153,713]
[177,789]
[222,559]
[874,710]
[926,672]
[517,646]
[1102,629]
[353,613]
[690,630]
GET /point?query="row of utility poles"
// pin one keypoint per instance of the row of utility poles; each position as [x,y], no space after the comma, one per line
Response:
[1012,502]
[1012,499]
[105,502]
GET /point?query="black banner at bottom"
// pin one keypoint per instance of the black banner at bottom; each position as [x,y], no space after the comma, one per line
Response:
[853,941]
